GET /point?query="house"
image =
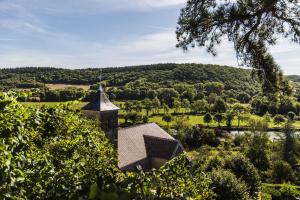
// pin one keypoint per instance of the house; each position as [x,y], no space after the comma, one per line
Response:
[144,146]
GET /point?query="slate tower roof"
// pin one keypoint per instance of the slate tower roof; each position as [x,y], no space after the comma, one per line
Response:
[100,103]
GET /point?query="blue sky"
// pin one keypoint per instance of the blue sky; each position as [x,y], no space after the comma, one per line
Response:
[105,33]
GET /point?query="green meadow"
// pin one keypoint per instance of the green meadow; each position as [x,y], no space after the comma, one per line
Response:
[192,119]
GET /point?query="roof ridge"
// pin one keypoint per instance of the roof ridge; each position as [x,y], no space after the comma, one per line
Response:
[137,125]
[160,138]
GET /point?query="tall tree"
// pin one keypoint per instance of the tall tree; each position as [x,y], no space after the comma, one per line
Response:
[167,118]
[258,151]
[176,105]
[229,118]
[290,147]
[147,105]
[219,105]
[207,118]
[238,110]
[218,118]
[252,26]
[186,104]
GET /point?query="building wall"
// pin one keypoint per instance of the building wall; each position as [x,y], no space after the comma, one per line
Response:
[91,114]
[157,162]
[144,163]
[109,123]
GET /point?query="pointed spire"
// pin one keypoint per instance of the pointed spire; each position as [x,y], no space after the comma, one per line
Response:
[101,102]
[100,79]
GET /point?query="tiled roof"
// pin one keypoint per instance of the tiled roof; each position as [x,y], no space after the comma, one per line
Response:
[145,141]
[100,103]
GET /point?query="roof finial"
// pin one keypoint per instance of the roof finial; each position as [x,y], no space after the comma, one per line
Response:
[100,79]
[100,76]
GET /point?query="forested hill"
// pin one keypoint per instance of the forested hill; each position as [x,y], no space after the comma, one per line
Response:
[165,74]
[295,78]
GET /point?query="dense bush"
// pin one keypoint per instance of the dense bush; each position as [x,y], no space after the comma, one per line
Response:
[226,186]
[282,172]
[179,179]
[198,136]
[281,192]
[244,170]
[259,151]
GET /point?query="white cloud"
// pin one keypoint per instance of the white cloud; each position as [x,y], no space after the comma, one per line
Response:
[21,26]
[15,16]
[136,4]
[153,48]
[63,50]
[7,39]
[149,49]
[157,42]
[99,6]
[78,6]
[286,55]
[158,3]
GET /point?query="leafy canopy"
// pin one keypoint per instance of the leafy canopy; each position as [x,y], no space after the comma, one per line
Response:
[50,153]
[252,26]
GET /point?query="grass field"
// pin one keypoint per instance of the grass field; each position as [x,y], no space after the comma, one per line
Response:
[157,118]
[64,86]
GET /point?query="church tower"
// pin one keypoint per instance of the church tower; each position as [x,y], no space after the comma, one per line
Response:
[106,111]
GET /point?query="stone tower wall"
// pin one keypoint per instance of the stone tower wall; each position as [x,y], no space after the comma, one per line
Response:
[109,123]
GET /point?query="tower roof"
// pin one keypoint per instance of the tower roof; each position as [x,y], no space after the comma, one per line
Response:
[100,103]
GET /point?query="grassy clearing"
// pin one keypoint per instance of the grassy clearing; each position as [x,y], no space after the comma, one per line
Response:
[65,86]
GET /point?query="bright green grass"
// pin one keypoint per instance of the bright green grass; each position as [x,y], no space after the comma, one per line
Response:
[195,120]
[198,120]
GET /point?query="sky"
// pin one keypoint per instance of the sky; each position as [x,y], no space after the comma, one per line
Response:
[106,33]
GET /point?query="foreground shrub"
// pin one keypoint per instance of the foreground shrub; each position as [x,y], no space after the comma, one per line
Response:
[282,172]
[244,170]
[50,153]
[178,179]
[281,192]
[226,186]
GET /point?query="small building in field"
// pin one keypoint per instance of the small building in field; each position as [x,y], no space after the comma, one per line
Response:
[145,146]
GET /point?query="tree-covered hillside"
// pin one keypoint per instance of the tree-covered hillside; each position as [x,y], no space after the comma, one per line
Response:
[295,78]
[164,74]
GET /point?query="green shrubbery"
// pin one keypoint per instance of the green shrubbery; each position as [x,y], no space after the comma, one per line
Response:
[281,192]
[55,153]
[50,153]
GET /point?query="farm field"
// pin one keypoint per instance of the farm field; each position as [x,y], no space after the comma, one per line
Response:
[64,86]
